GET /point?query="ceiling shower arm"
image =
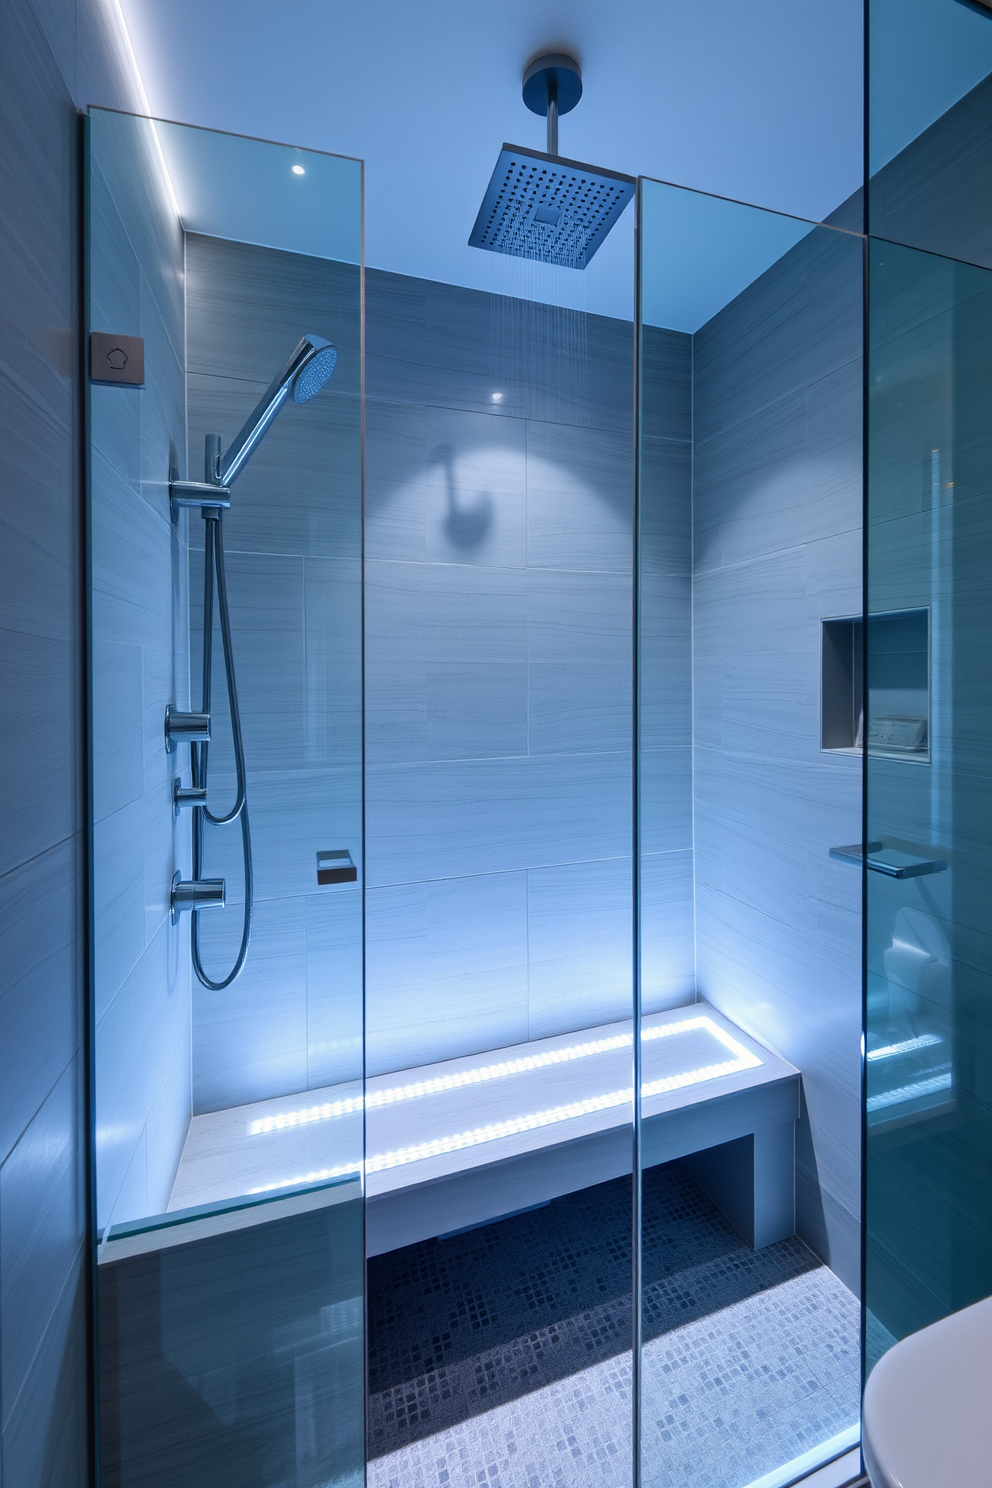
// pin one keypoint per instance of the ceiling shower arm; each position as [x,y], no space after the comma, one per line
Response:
[552,116]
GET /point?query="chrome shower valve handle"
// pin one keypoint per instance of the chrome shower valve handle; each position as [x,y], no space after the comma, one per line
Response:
[187,795]
[194,894]
[185,728]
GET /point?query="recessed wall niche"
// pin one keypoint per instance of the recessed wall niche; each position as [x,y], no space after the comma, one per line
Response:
[898,685]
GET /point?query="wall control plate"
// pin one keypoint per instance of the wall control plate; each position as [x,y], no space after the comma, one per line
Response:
[117,360]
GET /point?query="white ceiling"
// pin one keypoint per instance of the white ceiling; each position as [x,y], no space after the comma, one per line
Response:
[760,101]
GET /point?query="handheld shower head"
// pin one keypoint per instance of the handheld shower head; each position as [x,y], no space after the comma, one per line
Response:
[315,371]
[306,372]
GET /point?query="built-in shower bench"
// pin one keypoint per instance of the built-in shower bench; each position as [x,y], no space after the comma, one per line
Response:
[454,1144]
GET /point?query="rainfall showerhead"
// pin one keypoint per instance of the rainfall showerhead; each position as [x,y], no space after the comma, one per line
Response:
[540,206]
[309,367]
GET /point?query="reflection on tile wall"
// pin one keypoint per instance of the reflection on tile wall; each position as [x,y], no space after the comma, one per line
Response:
[293,1019]
[777,546]
[139,664]
[498,656]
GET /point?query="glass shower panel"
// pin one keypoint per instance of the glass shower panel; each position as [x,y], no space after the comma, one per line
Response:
[224,295]
[929,820]
[749,533]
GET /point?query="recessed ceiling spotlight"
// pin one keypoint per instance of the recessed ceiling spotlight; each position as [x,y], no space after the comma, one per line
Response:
[298,170]
[497,397]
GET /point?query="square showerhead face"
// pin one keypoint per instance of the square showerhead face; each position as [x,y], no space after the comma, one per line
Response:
[553,210]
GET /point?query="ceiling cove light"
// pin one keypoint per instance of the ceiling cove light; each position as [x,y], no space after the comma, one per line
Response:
[298,170]
[329,1110]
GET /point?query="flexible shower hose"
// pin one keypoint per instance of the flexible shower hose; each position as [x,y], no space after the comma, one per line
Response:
[213,568]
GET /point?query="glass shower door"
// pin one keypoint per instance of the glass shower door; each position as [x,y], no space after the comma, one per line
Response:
[929,791]
[227,1092]
[749,531]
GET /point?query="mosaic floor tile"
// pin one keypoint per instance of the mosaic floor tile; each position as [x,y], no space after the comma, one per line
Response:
[500,1358]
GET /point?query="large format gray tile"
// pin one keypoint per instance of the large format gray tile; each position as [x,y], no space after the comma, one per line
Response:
[253,1045]
[395,480]
[579,498]
[476,710]
[802,998]
[126,150]
[575,617]
[248,306]
[131,562]
[579,946]
[487,816]
[667,930]
[46,1424]
[117,736]
[142,1039]
[666,384]
[764,829]
[475,488]
[578,707]
[335,986]
[666,800]
[40,1020]
[39,761]
[415,613]
[665,660]
[293,815]
[799,321]
[664,531]
[333,614]
[266,595]
[300,492]
[162,401]
[788,474]
[447,969]
[41,1225]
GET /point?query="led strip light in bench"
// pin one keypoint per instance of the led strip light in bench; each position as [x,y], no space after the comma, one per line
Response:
[742,1059]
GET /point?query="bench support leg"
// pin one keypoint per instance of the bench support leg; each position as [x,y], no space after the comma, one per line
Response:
[752,1182]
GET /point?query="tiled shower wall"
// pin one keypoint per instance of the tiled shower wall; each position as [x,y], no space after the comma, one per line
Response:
[53,58]
[498,674]
[140,662]
[293,1019]
[777,547]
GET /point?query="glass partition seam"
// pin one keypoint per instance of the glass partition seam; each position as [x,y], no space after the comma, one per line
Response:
[865,392]
[87,963]
[636,1227]
[362,809]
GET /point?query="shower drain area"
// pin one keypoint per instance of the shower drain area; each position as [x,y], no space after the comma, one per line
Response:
[503,1355]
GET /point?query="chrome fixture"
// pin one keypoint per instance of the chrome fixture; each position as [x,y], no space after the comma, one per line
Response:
[541,206]
[552,85]
[187,795]
[898,863]
[304,374]
[185,728]
[193,894]
[196,493]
